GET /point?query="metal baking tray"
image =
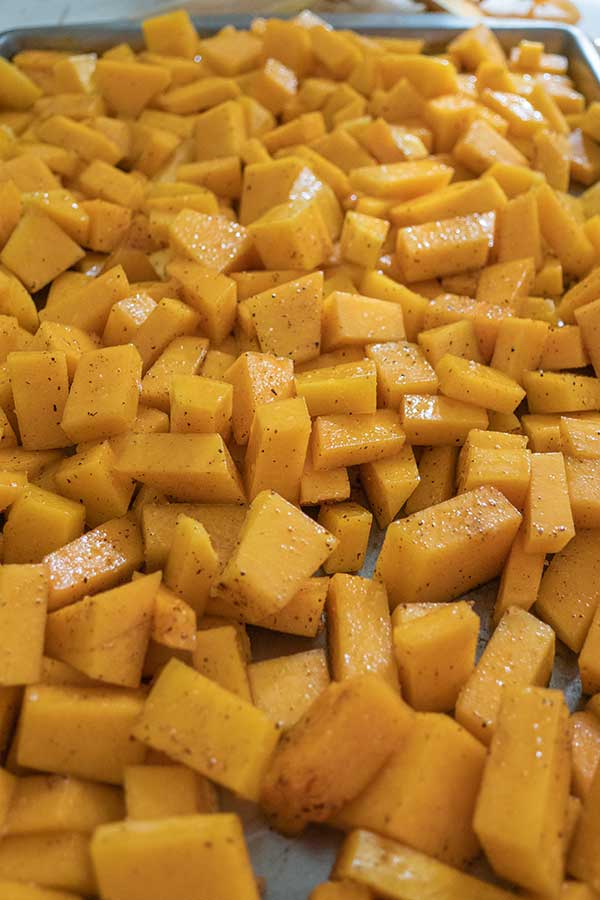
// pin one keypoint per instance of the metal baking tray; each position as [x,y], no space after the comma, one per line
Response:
[292,868]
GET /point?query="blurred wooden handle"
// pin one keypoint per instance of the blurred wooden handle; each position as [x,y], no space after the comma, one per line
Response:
[463,8]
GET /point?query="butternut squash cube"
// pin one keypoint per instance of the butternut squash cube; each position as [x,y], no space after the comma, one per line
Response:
[220,131]
[24,593]
[507,470]
[292,235]
[38,250]
[436,655]
[261,591]
[170,319]
[439,762]
[350,523]
[582,861]
[220,656]
[520,579]
[349,388]
[194,467]
[157,792]
[207,852]
[519,653]
[323,486]
[182,358]
[89,306]
[528,762]
[89,479]
[401,181]
[287,319]
[91,728]
[128,87]
[445,551]
[192,563]
[564,235]
[38,523]
[351,319]
[40,385]
[518,232]
[436,472]
[59,861]
[211,241]
[568,598]
[171,34]
[359,629]
[481,146]
[435,420]
[363,238]
[50,803]
[458,338]
[401,369]
[96,561]
[285,687]
[350,440]
[303,614]
[478,384]
[405,874]
[280,431]
[201,724]
[389,482]
[548,519]
[300,785]
[211,295]
[445,248]
[17,90]
[579,438]
[106,636]
[519,347]
[174,621]
[104,396]
[201,405]
[257,378]
[561,392]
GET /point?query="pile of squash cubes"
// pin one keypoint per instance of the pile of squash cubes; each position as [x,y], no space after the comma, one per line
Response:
[258,290]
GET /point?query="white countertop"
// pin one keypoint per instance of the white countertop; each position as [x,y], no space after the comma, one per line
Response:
[52,12]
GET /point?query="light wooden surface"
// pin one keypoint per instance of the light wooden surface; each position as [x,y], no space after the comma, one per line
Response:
[46,12]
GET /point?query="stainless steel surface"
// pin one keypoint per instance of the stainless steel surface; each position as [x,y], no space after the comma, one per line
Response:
[293,868]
